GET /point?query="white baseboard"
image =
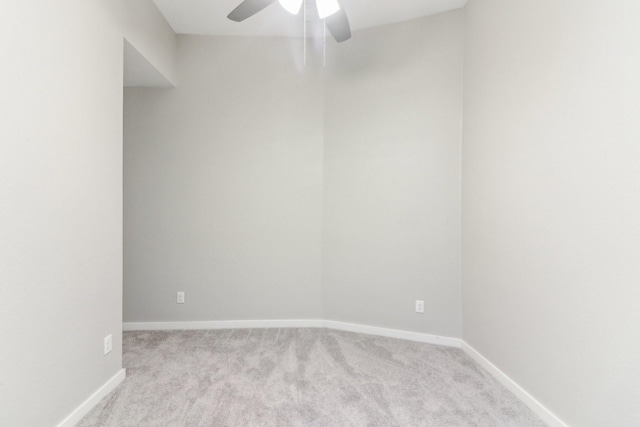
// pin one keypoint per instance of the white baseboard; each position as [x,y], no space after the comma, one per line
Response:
[393,333]
[538,408]
[223,324]
[93,400]
[308,323]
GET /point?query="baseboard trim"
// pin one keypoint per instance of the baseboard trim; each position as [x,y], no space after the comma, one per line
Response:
[301,323]
[86,406]
[223,324]
[538,408]
[394,333]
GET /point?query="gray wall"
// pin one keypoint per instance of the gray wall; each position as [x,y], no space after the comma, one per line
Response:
[61,199]
[223,185]
[551,201]
[393,105]
[233,177]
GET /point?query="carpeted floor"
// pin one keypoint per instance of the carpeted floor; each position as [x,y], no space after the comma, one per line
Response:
[301,377]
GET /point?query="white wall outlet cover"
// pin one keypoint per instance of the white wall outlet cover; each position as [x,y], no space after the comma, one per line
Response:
[108,344]
[419,306]
[180,298]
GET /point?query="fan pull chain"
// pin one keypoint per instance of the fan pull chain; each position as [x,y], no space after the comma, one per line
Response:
[324,43]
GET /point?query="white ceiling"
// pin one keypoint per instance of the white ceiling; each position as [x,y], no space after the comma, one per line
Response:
[210,16]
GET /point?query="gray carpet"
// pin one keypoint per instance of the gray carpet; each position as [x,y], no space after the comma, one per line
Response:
[301,377]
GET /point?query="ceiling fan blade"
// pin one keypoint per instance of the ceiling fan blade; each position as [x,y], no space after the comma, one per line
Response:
[248,8]
[338,26]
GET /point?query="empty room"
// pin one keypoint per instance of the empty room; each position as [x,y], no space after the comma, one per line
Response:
[320,213]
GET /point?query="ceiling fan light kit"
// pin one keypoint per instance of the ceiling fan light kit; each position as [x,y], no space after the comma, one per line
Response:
[291,6]
[329,10]
[327,7]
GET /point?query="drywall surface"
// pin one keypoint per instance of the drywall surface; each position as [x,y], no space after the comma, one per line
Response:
[393,104]
[223,180]
[149,33]
[60,206]
[138,71]
[551,201]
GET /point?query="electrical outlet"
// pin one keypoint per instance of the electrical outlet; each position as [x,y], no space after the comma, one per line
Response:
[180,298]
[419,306]
[108,344]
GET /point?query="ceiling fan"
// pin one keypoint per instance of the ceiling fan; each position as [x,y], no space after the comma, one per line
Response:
[329,10]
